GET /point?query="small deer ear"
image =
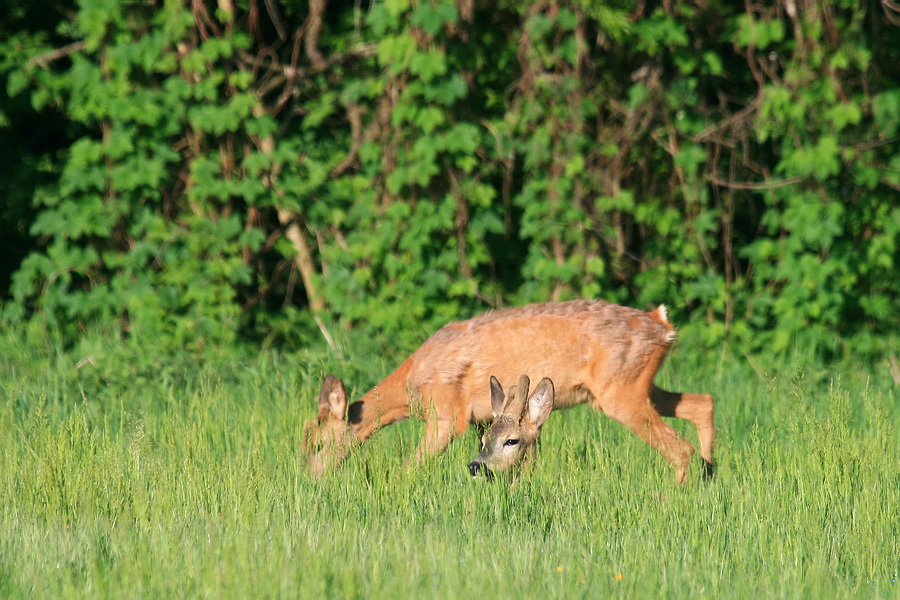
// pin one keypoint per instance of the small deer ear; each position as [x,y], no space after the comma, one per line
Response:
[337,400]
[496,397]
[541,403]
[332,399]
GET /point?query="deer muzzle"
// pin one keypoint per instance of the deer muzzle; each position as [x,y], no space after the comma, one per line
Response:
[477,468]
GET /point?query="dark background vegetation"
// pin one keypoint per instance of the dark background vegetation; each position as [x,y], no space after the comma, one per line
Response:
[193,173]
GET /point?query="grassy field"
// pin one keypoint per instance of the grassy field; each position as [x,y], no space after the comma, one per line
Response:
[174,477]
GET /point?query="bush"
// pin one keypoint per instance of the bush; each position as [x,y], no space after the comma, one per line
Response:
[271,172]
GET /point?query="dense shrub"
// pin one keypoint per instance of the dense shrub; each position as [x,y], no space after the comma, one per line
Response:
[422,161]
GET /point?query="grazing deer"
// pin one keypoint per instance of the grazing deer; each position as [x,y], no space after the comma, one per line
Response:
[509,441]
[597,353]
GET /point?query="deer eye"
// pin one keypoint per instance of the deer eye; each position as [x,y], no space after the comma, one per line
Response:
[511,442]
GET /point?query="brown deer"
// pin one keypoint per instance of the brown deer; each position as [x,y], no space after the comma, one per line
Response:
[596,352]
[509,441]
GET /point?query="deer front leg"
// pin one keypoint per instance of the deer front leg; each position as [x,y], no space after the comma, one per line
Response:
[438,435]
[445,420]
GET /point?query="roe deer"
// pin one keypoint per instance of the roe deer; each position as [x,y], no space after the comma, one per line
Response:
[329,431]
[509,441]
[596,352]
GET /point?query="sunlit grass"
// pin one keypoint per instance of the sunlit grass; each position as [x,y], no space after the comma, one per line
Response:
[177,477]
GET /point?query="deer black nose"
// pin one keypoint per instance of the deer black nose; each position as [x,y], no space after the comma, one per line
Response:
[477,468]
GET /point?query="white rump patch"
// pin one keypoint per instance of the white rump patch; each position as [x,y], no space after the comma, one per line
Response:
[663,313]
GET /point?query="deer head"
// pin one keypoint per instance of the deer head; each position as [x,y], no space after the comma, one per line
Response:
[327,438]
[517,424]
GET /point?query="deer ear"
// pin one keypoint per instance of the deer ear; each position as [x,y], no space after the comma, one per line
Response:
[332,399]
[496,397]
[337,400]
[541,403]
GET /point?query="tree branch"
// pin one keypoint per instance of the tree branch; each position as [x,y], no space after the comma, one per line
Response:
[749,185]
[44,60]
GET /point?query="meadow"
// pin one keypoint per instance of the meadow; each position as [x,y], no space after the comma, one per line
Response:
[127,473]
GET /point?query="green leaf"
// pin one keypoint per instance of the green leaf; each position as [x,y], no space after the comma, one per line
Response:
[427,65]
[16,82]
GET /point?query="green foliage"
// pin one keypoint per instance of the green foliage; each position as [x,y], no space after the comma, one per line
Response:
[422,161]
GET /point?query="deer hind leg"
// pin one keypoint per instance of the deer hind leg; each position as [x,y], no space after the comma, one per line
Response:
[638,414]
[696,408]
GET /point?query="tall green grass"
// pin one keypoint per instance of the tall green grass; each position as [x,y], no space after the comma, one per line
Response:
[144,476]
